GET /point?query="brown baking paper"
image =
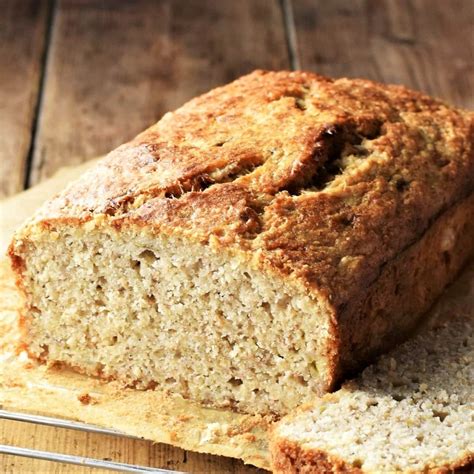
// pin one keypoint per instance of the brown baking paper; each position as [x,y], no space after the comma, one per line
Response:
[28,387]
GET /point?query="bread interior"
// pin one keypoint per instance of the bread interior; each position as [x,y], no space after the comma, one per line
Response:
[159,311]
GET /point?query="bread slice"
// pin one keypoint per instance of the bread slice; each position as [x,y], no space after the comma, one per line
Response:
[413,411]
[255,245]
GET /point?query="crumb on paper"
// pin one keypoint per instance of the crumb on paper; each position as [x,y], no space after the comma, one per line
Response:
[212,433]
[249,437]
[54,365]
[185,418]
[86,399]
[11,382]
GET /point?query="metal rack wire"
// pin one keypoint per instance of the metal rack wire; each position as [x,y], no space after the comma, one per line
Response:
[69,458]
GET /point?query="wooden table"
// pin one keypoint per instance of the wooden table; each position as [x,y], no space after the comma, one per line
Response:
[79,77]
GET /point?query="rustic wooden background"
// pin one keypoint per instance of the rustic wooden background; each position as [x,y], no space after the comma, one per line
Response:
[79,77]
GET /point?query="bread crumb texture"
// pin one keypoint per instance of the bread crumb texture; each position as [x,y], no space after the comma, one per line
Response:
[413,411]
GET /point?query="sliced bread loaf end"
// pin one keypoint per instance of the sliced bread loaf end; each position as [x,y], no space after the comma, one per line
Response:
[257,245]
[412,411]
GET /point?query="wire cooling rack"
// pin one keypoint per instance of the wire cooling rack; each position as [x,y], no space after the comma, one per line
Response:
[69,458]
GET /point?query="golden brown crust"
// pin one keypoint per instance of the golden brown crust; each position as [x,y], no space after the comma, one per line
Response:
[464,465]
[288,457]
[322,181]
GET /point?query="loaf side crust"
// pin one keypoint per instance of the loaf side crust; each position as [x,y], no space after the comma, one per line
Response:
[391,309]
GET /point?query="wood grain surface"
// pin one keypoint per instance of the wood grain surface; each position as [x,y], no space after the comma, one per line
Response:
[23,27]
[113,448]
[115,67]
[423,44]
[79,77]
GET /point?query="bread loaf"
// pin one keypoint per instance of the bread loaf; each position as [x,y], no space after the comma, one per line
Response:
[256,245]
[411,412]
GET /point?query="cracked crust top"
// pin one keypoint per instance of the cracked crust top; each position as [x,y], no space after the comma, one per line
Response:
[324,180]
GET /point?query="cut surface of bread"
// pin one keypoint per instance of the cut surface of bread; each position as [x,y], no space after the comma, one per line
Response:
[257,244]
[412,411]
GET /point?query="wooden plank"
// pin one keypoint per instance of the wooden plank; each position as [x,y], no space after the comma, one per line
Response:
[113,448]
[23,27]
[424,44]
[116,67]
